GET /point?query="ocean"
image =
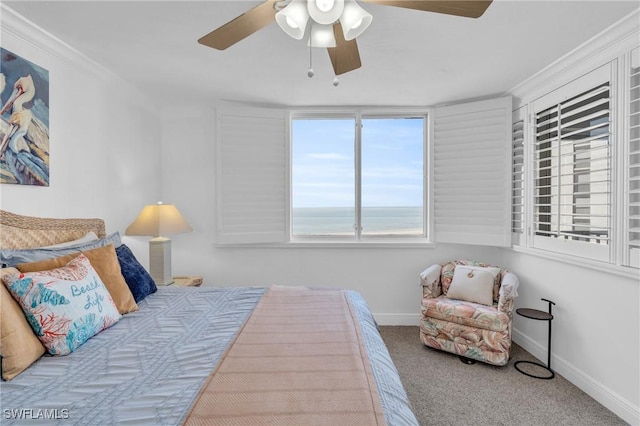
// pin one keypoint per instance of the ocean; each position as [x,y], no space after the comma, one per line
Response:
[341,220]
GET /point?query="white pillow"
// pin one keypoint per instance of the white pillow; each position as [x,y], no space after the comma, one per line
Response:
[473,284]
[88,237]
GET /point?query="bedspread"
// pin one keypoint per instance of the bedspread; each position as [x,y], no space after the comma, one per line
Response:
[149,367]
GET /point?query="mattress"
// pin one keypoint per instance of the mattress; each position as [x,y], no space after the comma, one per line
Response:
[149,367]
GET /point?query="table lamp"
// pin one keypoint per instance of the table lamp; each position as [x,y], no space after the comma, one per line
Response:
[158,220]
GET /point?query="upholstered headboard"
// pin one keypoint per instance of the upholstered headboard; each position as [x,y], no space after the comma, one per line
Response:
[19,232]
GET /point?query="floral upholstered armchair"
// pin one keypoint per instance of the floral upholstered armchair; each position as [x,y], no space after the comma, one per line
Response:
[467,309]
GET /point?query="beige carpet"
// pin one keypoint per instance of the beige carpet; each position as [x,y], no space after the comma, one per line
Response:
[444,391]
[299,360]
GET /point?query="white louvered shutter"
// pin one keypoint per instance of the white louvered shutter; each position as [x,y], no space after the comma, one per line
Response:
[472,173]
[572,169]
[517,176]
[251,175]
[633,209]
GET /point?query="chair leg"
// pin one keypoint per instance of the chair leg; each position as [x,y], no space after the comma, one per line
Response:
[466,360]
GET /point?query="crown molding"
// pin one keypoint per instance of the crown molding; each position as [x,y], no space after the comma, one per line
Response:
[24,32]
[617,39]
[17,26]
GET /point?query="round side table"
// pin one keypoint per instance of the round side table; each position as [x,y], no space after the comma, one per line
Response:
[540,316]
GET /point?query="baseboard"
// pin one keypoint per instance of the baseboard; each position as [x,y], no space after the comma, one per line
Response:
[397,319]
[623,408]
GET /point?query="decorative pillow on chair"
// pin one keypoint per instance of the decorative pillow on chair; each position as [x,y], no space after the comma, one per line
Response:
[473,284]
[105,261]
[64,306]
[138,279]
[19,347]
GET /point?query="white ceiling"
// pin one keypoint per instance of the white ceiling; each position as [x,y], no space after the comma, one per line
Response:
[408,57]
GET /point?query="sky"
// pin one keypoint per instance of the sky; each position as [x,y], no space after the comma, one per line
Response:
[323,158]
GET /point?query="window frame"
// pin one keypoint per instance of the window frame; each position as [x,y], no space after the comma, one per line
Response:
[557,99]
[358,114]
[561,85]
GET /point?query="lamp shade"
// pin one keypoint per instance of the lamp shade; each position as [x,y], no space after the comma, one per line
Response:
[158,219]
[325,11]
[322,36]
[354,20]
[293,19]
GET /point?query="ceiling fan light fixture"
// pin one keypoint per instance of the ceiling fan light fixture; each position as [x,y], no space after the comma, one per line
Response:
[325,5]
[321,36]
[325,12]
[354,20]
[293,19]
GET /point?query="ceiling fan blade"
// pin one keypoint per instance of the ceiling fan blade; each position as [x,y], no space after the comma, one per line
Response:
[241,27]
[345,56]
[467,8]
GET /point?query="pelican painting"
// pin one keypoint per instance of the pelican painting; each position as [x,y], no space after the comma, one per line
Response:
[24,121]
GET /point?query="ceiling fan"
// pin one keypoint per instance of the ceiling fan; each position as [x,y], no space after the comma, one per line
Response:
[335,24]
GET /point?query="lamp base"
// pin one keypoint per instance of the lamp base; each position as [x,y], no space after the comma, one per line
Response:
[160,260]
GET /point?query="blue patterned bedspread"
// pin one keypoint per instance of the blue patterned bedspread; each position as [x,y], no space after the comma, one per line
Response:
[149,367]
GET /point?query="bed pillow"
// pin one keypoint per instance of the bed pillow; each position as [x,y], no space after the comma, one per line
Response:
[88,237]
[105,262]
[472,284]
[10,257]
[138,279]
[19,347]
[64,306]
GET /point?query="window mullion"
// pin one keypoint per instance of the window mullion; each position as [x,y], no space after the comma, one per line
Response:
[358,175]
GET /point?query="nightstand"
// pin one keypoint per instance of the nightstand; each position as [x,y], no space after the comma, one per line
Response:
[188,281]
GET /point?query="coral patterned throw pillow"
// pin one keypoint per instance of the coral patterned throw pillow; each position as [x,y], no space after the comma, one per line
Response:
[64,306]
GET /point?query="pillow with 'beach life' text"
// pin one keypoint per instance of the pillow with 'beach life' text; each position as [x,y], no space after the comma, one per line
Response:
[65,306]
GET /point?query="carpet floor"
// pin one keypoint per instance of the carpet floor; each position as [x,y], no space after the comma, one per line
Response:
[445,391]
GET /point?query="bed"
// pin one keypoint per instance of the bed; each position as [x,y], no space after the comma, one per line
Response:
[203,355]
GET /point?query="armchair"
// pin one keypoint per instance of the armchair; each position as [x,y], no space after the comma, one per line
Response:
[467,309]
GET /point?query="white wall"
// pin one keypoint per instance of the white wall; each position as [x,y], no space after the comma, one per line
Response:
[595,328]
[104,139]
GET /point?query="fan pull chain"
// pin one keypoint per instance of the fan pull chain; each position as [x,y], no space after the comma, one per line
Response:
[310,73]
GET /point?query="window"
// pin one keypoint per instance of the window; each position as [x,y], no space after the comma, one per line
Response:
[633,208]
[572,187]
[323,176]
[358,175]
[517,178]
[581,169]
[364,175]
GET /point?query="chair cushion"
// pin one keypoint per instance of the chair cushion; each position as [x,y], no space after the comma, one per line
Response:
[465,313]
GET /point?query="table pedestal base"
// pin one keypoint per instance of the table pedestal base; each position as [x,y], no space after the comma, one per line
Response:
[538,365]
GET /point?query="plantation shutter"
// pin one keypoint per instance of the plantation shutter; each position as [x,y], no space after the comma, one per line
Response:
[633,221]
[472,173]
[572,169]
[517,176]
[251,170]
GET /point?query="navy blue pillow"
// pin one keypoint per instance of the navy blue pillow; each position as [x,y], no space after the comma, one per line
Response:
[137,278]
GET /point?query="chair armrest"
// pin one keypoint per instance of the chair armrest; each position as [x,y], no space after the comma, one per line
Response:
[430,281]
[508,292]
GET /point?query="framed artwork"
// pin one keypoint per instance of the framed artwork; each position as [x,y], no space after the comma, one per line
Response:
[24,121]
